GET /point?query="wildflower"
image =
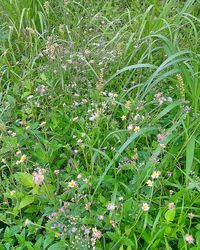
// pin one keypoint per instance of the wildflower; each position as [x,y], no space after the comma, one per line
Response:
[42,124]
[113,223]
[23,158]
[18,153]
[41,89]
[187,109]
[79,176]
[72,184]
[145,206]
[155,174]
[79,141]
[88,206]
[92,118]
[136,117]
[12,192]
[162,145]
[3,161]
[85,180]
[62,210]
[171,205]
[169,173]
[159,98]
[137,129]
[56,171]
[160,137]
[38,176]
[96,233]
[74,229]
[66,204]
[101,217]
[149,183]
[87,231]
[130,127]
[123,117]
[27,222]
[111,207]
[128,104]
[121,198]
[169,99]
[191,216]
[75,119]
[189,238]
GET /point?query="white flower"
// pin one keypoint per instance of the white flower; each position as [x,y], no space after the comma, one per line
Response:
[137,129]
[123,117]
[111,207]
[27,222]
[145,206]
[130,127]
[72,184]
[155,174]
[149,183]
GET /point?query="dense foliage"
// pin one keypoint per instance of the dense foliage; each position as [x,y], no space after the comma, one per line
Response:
[99,124]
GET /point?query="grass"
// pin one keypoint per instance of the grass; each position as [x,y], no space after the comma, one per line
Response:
[99,123]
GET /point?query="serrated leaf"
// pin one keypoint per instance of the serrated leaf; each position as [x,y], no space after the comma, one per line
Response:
[24,179]
[26,201]
[127,242]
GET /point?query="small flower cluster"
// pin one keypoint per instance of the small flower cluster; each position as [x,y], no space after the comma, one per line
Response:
[38,176]
[155,175]
[23,157]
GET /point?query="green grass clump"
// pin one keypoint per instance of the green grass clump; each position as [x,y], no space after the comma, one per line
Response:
[99,123]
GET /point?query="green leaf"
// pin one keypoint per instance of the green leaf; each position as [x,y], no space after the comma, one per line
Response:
[48,241]
[58,246]
[168,109]
[127,205]
[114,236]
[170,215]
[24,179]
[189,156]
[7,234]
[130,140]
[131,67]
[127,242]
[26,201]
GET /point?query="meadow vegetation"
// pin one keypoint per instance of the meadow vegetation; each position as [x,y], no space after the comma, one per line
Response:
[99,124]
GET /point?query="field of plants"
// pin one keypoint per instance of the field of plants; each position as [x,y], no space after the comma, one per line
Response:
[100,124]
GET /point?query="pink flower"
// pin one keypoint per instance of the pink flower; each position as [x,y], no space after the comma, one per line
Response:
[111,207]
[79,176]
[96,233]
[62,210]
[38,176]
[171,205]
[189,238]
[160,137]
